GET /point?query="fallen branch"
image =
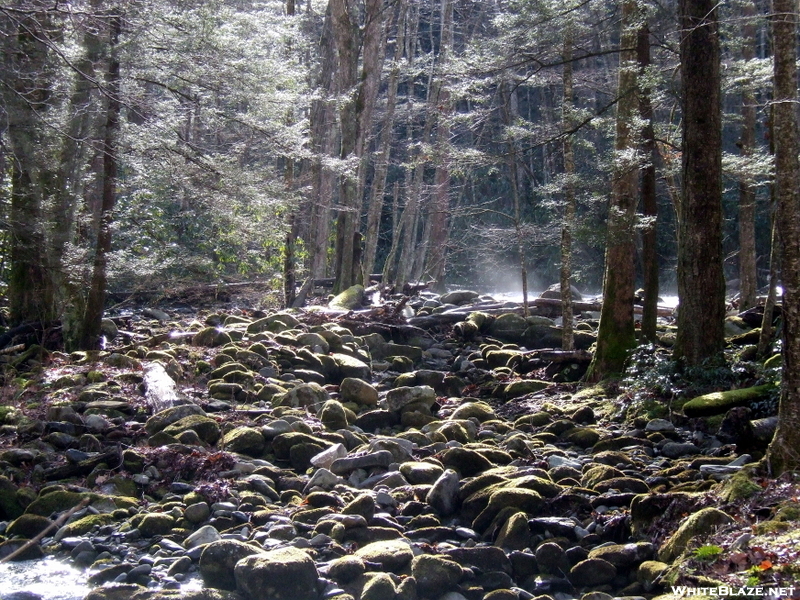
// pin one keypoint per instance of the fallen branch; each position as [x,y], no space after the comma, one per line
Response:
[55,524]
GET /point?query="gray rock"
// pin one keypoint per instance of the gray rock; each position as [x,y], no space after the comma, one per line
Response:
[326,458]
[204,535]
[678,449]
[659,425]
[421,472]
[197,513]
[443,495]
[358,391]
[402,396]
[458,297]
[382,458]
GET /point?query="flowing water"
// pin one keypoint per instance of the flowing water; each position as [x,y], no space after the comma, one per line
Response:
[49,579]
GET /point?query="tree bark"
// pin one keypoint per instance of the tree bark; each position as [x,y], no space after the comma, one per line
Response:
[616,335]
[27,99]
[568,222]
[648,193]
[765,336]
[747,191]
[97,291]
[355,117]
[439,217]
[701,284]
[376,203]
[783,453]
[323,143]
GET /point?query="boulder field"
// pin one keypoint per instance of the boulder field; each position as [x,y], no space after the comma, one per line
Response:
[310,455]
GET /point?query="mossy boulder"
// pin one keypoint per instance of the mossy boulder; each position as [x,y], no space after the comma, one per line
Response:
[392,555]
[86,524]
[166,417]
[333,415]
[10,508]
[55,501]
[717,403]
[508,327]
[205,427]
[349,299]
[697,525]
[218,560]
[156,524]
[358,391]
[739,486]
[244,440]
[311,395]
[583,437]
[435,574]
[283,574]
[211,337]
[27,526]
[515,389]
[478,410]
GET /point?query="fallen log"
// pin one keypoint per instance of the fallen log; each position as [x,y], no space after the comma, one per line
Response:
[559,356]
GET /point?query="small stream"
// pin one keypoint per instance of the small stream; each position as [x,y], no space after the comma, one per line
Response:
[50,579]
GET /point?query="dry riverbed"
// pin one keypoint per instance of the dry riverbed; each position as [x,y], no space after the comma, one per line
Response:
[309,455]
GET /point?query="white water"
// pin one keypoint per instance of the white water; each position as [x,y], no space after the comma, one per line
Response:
[48,578]
[668,301]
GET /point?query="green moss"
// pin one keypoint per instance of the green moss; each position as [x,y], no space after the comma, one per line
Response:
[95,376]
[87,523]
[54,499]
[739,486]
[774,362]
[788,512]
[720,402]
[7,414]
[771,527]
[522,387]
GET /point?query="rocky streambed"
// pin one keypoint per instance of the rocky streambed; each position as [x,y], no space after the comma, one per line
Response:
[431,450]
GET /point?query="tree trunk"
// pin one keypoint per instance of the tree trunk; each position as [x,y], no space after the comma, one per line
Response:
[437,242]
[69,180]
[765,337]
[375,209]
[747,190]
[97,291]
[648,193]
[323,142]
[26,99]
[616,335]
[701,284]
[355,117]
[568,222]
[784,451]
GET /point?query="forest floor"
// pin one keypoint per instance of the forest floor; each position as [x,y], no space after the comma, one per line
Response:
[387,452]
